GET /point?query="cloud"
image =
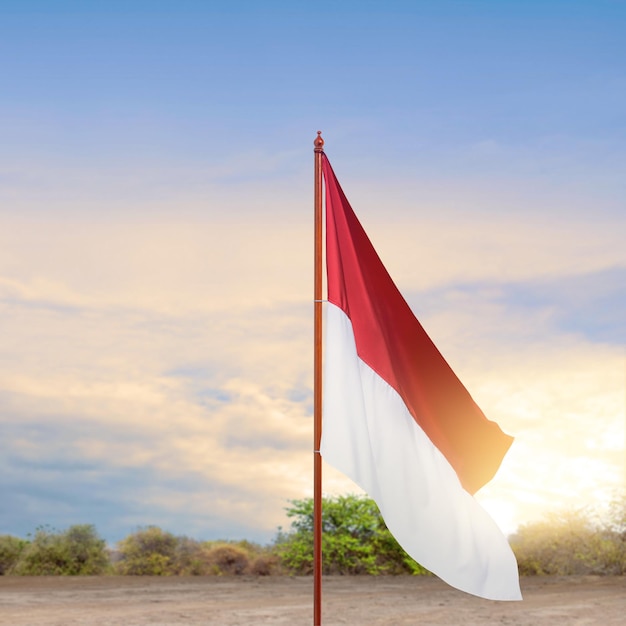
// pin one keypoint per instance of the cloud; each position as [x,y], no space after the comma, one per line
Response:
[159,371]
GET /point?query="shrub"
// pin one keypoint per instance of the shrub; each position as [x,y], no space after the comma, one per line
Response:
[227,558]
[190,558]
[152,551]
[568,543]
[149,551]
[10,550]
[87,552]
[76,551]
[616,519]
[355,539]
[266,565]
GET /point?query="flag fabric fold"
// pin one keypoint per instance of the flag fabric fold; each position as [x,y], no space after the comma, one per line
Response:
[400,424]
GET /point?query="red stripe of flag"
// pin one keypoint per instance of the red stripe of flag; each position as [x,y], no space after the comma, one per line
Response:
[390,339]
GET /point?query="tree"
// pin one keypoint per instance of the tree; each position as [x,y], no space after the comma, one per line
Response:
[355,539]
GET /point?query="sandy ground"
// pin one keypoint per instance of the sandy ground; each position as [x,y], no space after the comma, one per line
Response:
[358,601]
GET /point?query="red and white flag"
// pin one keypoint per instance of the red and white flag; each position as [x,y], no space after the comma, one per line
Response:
[400,424]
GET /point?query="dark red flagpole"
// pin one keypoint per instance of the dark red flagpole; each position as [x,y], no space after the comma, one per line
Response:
[317,389]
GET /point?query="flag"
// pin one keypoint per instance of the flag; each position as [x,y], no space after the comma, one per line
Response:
[400,424]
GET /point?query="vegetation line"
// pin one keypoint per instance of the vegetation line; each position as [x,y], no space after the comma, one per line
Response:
[355,541]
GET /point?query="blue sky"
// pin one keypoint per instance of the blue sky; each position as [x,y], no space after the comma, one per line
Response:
[155,239]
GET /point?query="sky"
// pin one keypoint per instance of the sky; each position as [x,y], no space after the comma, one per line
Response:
[156,243]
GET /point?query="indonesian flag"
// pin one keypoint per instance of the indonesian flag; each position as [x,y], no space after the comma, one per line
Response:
[400,424]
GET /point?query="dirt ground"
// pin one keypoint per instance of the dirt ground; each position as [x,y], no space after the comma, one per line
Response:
[358,601]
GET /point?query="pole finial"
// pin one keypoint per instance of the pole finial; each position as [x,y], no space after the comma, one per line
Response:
[319,142]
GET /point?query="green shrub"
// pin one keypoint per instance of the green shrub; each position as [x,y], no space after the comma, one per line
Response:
[10,550]
[355,539]
[152,551]
[73,552]
[149,551]
[87,552]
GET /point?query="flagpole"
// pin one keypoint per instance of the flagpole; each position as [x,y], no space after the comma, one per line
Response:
[317,388]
